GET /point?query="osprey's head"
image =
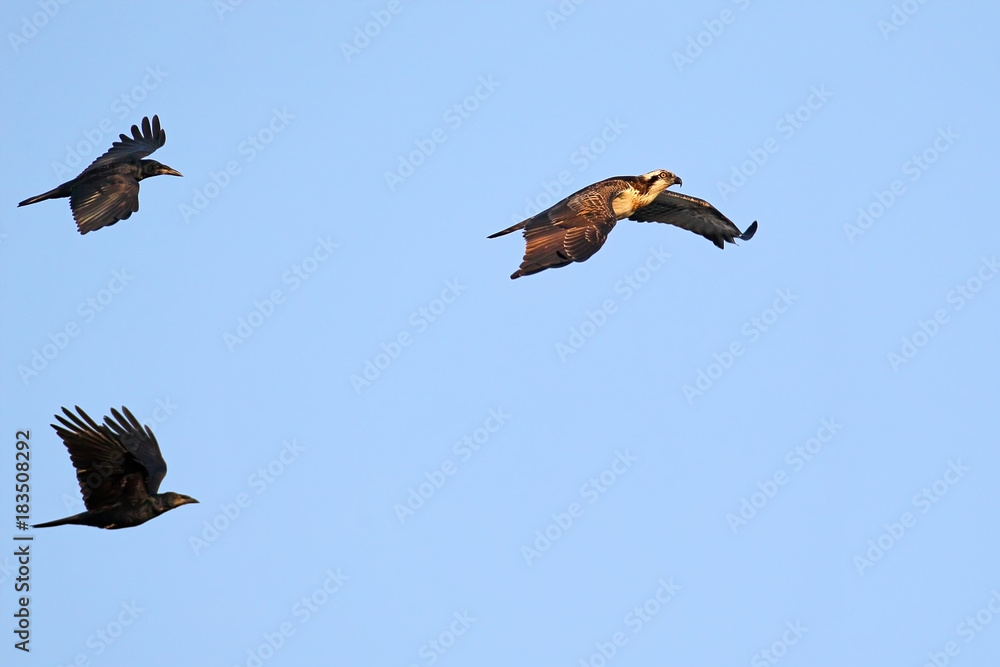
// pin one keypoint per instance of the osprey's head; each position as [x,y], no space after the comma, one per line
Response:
[659,180]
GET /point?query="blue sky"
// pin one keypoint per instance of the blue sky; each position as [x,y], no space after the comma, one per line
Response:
[781,452]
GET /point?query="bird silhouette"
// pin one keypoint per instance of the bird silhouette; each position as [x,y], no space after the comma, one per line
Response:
[108,190]
[575,228]
[119,468]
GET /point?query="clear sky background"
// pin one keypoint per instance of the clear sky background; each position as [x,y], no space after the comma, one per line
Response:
[785,451]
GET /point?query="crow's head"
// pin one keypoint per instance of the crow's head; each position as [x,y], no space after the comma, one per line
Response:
[154,168]
[170,500]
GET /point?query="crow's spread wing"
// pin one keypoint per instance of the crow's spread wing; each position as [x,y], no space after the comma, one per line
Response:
[138,146]
[104,200]
[107,467]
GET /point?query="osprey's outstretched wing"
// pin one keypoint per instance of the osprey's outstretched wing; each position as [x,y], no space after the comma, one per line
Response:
[572,230]
[695,215]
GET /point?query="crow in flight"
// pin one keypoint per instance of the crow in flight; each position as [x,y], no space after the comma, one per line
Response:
[108,190]
[576,227]
[119,467]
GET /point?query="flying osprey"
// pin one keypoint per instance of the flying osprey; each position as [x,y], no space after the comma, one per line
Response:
[108,190]
[575,228]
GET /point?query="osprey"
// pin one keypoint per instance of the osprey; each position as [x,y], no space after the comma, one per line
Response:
[575,228]
[119,467]
[108,190]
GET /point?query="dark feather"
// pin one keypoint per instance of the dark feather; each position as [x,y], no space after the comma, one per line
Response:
[103,202]
[138,146]
[692,214]
[108,472]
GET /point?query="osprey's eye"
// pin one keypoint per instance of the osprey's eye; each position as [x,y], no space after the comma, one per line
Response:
[663,175]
